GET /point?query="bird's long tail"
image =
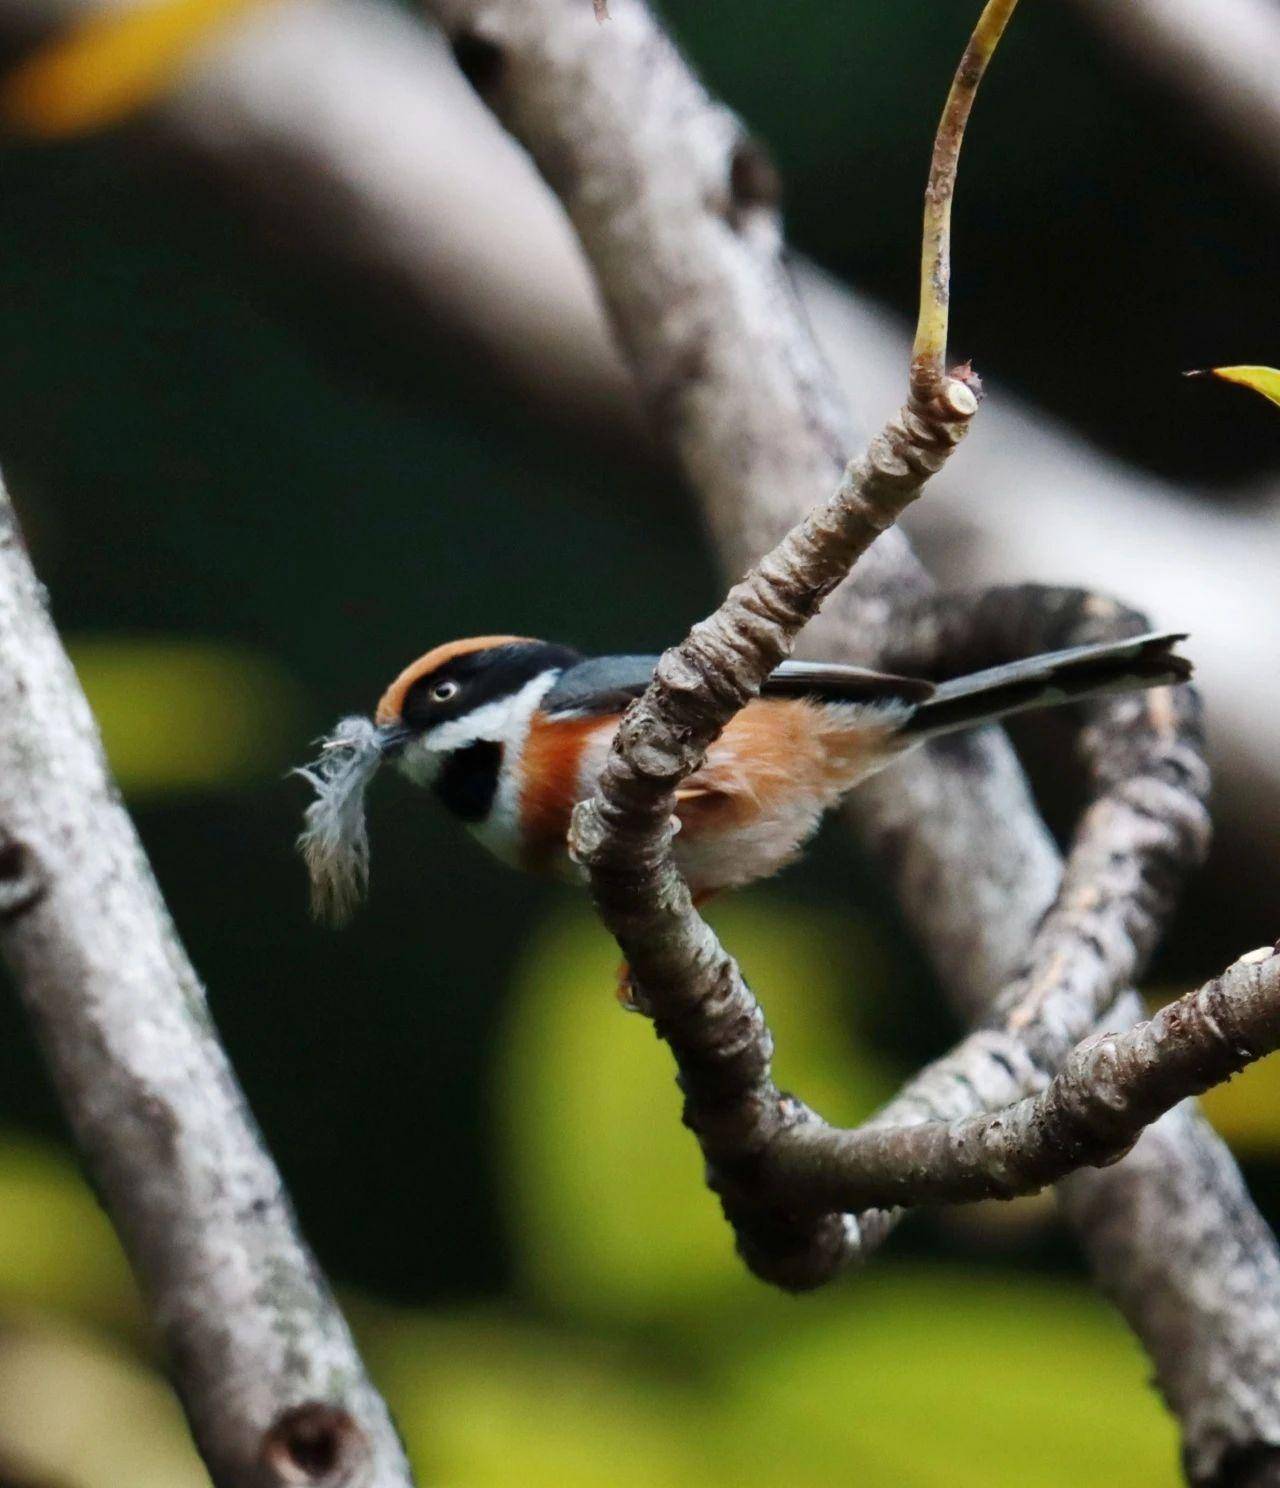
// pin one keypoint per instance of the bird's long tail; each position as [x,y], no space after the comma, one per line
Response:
[1049,679]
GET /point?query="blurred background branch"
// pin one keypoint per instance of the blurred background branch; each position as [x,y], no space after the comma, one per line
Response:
[1222,59]
[397,171]
[436,203]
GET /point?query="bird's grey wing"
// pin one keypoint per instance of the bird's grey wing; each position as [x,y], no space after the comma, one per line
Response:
[607,684]
[601,684]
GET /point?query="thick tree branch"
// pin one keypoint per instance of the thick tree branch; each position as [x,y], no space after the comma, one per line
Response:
[685,245]
[263,1360]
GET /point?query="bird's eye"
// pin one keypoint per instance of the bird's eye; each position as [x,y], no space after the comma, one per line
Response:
[443,691]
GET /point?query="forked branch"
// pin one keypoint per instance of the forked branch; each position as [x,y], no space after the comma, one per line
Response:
[701,1005]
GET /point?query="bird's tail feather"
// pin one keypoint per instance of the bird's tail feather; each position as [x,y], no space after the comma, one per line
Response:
[1049,679]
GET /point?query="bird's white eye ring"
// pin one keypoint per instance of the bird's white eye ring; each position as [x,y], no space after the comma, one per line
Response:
[443,691]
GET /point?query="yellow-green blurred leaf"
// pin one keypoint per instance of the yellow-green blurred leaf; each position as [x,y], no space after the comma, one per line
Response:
[1264,380]
[956,1378]
[899,1377]
[179,715]
[78,1413]
[108,64]
[57,1250]
[610,1215]
[1246,1110]
[484,1402]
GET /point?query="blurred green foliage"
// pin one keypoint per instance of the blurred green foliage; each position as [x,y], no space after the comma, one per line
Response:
[255,491]
[185,715]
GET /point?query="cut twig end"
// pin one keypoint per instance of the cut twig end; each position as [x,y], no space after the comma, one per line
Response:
[959,399]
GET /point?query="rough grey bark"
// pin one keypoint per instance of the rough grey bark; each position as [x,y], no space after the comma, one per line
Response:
[264,1363]
[675,207]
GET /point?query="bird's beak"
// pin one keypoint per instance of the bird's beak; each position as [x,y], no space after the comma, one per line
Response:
[391,738]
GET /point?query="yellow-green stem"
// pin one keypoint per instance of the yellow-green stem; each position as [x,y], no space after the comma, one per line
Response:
[929,354]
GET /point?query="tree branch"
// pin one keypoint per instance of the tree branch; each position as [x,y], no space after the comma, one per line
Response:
[264,1363]
[684,239]
[623,834]
[702,1007]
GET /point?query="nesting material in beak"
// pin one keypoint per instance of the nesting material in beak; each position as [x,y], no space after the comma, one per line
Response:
[335,842]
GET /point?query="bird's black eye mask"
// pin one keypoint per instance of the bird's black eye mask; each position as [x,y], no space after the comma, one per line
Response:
[467,682]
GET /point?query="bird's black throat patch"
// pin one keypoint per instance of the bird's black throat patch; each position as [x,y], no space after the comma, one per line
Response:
[468,780]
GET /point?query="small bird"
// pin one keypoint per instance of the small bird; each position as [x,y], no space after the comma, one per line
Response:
[509,734]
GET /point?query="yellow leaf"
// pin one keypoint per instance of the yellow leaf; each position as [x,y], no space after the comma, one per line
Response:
[1264,380]
[57,1250]
[108,65]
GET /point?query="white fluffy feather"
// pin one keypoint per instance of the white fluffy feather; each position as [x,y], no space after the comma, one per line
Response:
[335,841]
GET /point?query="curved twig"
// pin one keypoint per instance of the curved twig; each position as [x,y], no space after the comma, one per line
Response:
[622,835]
[929,353]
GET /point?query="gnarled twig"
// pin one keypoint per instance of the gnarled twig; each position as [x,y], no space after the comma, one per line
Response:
[622,835]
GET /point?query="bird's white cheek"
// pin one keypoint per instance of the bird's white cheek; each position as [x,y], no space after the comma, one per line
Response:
[419,762]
